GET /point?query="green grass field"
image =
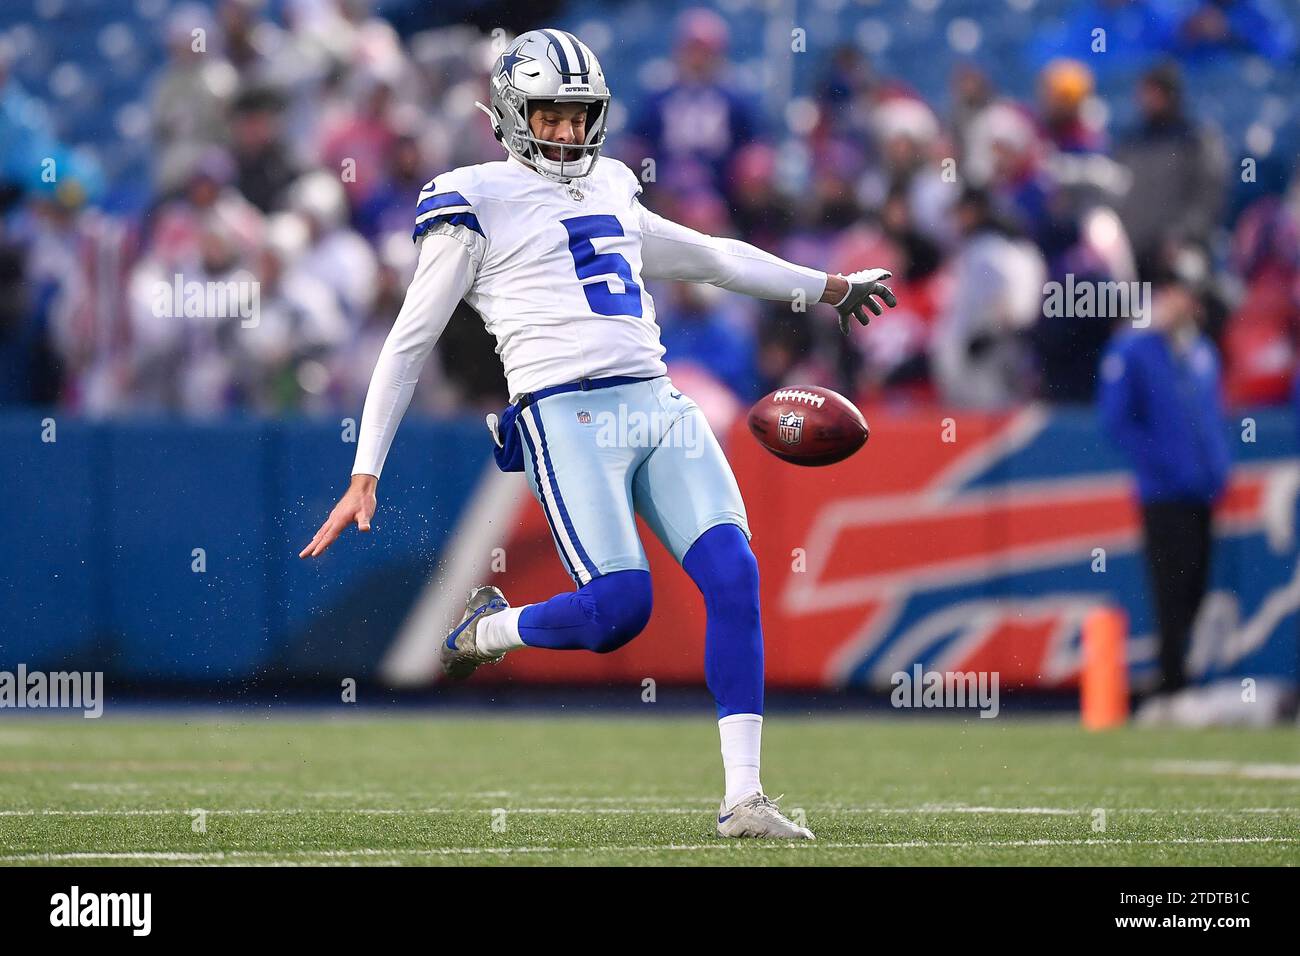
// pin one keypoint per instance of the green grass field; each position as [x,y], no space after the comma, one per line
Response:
[538,790]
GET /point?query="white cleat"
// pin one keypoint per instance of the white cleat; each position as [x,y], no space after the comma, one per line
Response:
[758,816]
[459,654]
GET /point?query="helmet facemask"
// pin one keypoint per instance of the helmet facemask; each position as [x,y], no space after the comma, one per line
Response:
[576,159]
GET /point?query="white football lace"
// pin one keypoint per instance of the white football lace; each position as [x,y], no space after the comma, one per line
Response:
[762,803]
[799,395]
[474,654]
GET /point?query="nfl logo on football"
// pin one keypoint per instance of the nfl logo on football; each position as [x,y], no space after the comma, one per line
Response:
[789,427]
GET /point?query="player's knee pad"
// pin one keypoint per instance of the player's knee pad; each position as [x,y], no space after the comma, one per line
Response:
[618,605]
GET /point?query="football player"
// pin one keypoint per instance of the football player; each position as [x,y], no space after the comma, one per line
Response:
[551,247]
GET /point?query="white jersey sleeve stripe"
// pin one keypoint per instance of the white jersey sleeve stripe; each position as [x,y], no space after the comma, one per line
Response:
[445,211]
[436,200]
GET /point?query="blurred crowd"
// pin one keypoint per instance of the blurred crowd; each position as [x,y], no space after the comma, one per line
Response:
[289,150]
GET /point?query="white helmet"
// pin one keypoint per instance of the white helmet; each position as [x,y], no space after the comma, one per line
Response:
[548,65]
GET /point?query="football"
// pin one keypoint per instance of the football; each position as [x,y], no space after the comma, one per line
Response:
[808,425]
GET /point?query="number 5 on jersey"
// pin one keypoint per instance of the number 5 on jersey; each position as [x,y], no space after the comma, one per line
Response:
[591,264]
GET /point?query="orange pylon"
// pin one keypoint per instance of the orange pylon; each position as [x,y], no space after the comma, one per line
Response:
[1103,682]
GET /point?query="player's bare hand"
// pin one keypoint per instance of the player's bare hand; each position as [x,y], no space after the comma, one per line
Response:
[357,504]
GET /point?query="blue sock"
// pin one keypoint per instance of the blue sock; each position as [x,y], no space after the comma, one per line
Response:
[601,616]
[725,570]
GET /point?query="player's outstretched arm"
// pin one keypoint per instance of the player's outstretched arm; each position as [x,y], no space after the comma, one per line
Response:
[673,251]
[445,273]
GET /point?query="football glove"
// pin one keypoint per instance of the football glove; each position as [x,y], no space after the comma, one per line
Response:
[862,286]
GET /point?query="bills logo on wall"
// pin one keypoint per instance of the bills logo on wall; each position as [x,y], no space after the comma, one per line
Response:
[983,553]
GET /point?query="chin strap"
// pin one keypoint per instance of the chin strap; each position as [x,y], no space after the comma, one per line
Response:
[496,127]
[496,131]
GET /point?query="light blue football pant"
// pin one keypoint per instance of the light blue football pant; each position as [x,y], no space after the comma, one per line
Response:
[595,459]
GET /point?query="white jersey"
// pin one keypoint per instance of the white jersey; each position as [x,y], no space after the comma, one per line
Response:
[557,270]
[557,274]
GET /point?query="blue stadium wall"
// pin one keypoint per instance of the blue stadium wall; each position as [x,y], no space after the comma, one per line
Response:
[98,552]
[101,526]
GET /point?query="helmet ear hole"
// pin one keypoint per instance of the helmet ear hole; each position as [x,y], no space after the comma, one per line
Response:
[595,116]
[495,120]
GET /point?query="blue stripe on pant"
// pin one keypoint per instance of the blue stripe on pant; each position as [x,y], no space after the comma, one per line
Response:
[581,568]
[546,508]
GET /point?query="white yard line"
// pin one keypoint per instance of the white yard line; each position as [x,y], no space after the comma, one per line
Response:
[731,847]
[929,809]
[1228,768]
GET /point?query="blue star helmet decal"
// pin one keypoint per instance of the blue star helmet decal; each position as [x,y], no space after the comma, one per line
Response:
[511,59]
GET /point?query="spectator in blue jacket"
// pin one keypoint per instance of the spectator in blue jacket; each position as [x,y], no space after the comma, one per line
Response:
[1213,28]
[699,121]
[1159,402]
